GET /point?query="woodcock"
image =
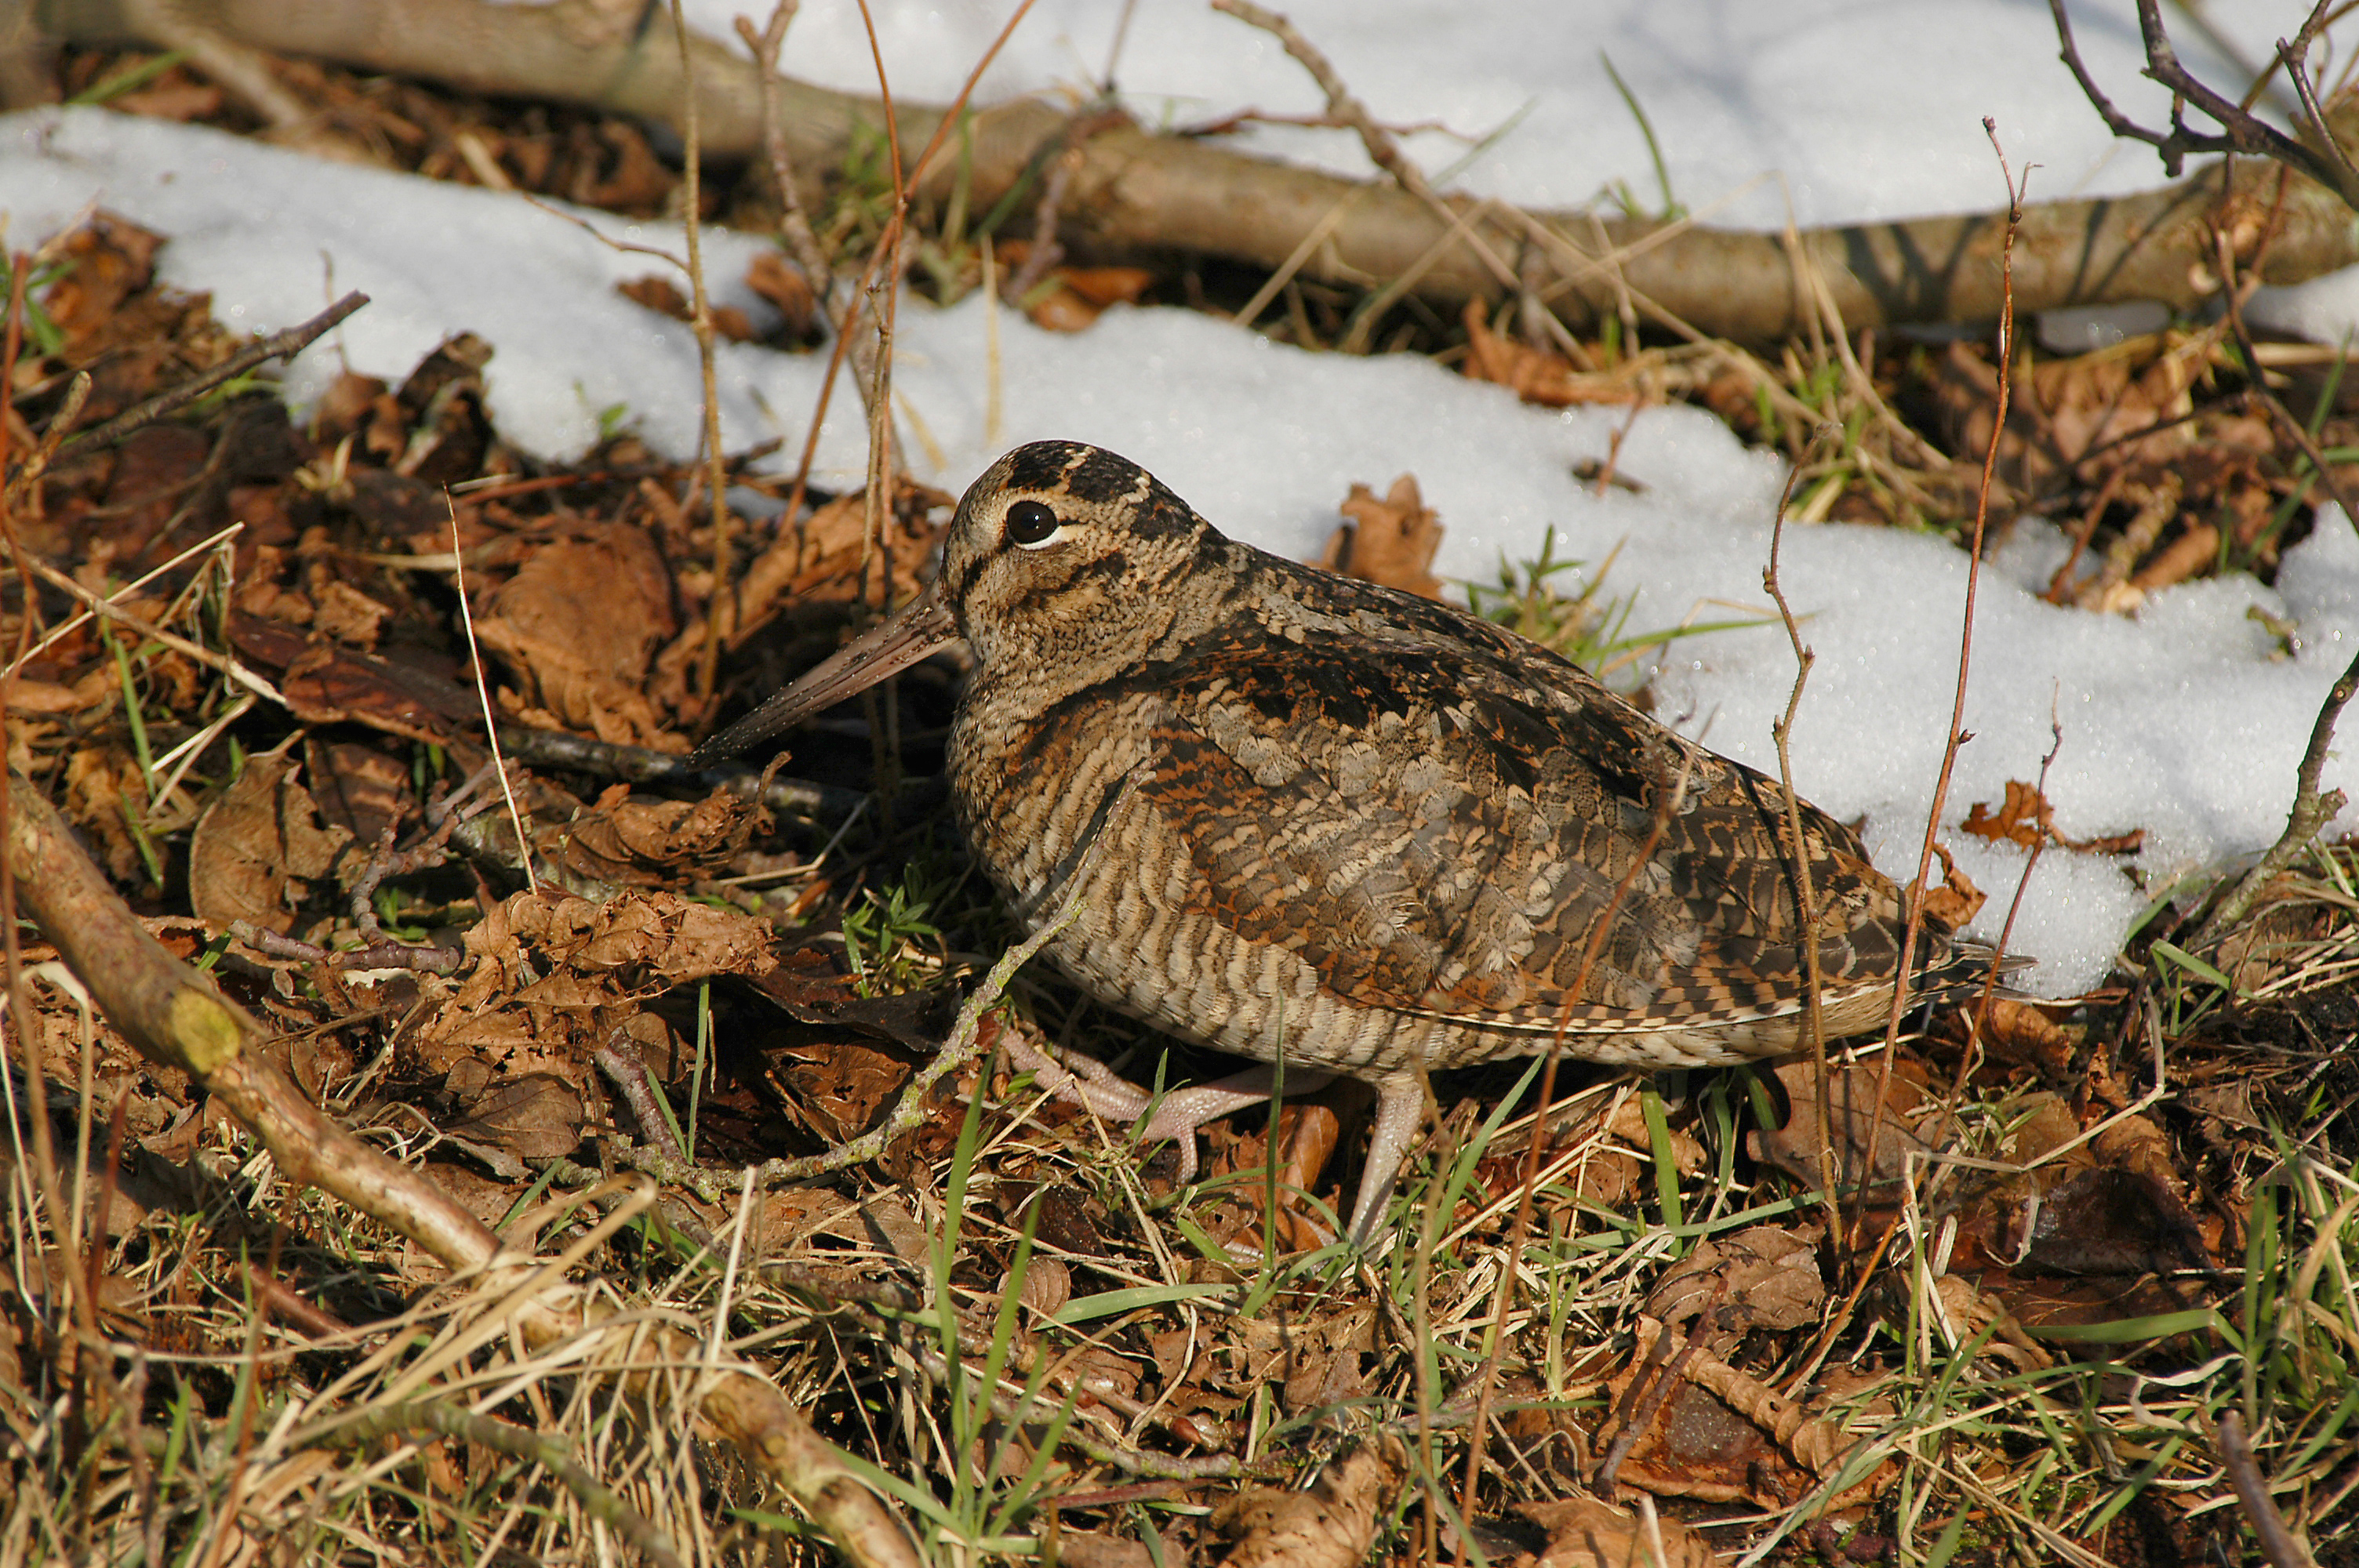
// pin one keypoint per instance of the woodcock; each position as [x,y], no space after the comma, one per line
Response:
[1368,830]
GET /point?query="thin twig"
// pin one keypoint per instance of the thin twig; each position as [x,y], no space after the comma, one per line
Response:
[793,224]
[860,288]
[291,341]
[628,1074]
[484,696]
[29,471]
[1806,904]
[18,1006]
[1044,252]
[2241,131]
[2278,1542]
[107,610]
[701,324]
[1383,151]
[80,616]
[1955,735]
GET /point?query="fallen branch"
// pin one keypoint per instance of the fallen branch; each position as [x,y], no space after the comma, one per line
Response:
[176,1018]
[1136,192]
[288,343]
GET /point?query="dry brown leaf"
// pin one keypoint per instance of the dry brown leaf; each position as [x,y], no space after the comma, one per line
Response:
[643,841]
[1391,542]
[48,696]
[2026,819]
[1072,299]
[1332,1522]
[2021,1029]
[1535,375]
[1912,1123]
[346,613]
[835,1086]
[658,939]
[409,691]
[255,848]
[536,1116]
[1712,1437]
[775,280]
[109,258]
[1955,900]
[1585,1532]
[1766,1276]
[2021,820]
[578,622]
[663,297]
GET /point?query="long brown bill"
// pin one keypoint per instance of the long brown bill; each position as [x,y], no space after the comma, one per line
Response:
[924,624]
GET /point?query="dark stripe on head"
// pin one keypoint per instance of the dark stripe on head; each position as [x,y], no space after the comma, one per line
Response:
[1042,465]
[1102,476]
[1163,516]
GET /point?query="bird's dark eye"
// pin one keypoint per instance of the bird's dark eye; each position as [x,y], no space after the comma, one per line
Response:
[1030,523]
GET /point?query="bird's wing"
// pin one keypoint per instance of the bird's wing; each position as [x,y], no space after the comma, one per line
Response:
[1444,833]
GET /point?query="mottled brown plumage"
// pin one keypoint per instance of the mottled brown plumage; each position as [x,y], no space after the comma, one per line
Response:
[1366,829]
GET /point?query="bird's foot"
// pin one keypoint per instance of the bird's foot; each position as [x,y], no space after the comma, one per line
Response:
[1183,1111]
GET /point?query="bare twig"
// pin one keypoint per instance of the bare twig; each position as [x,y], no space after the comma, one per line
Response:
[1955,735]
[1149,192]
[1383,151]
[886,246]
[2278,1542]
[2241,131]
[107,610]
[484,696]
[793,224]
[176,1017]
[285,344]
[701,323]
[629,1075]
[1045,252]
[1806,905]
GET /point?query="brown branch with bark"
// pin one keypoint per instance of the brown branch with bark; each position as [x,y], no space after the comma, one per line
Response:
[1133,192]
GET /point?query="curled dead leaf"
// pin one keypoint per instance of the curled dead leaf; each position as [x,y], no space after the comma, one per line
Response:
[1331,1521]
[1954,900]
[629,841]
[1586,1533]
[663,297]
[257,845]
[1391,540]
[1537,375]
[2025,818]
[1911,1123]
[1766,1276]
[775,280]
